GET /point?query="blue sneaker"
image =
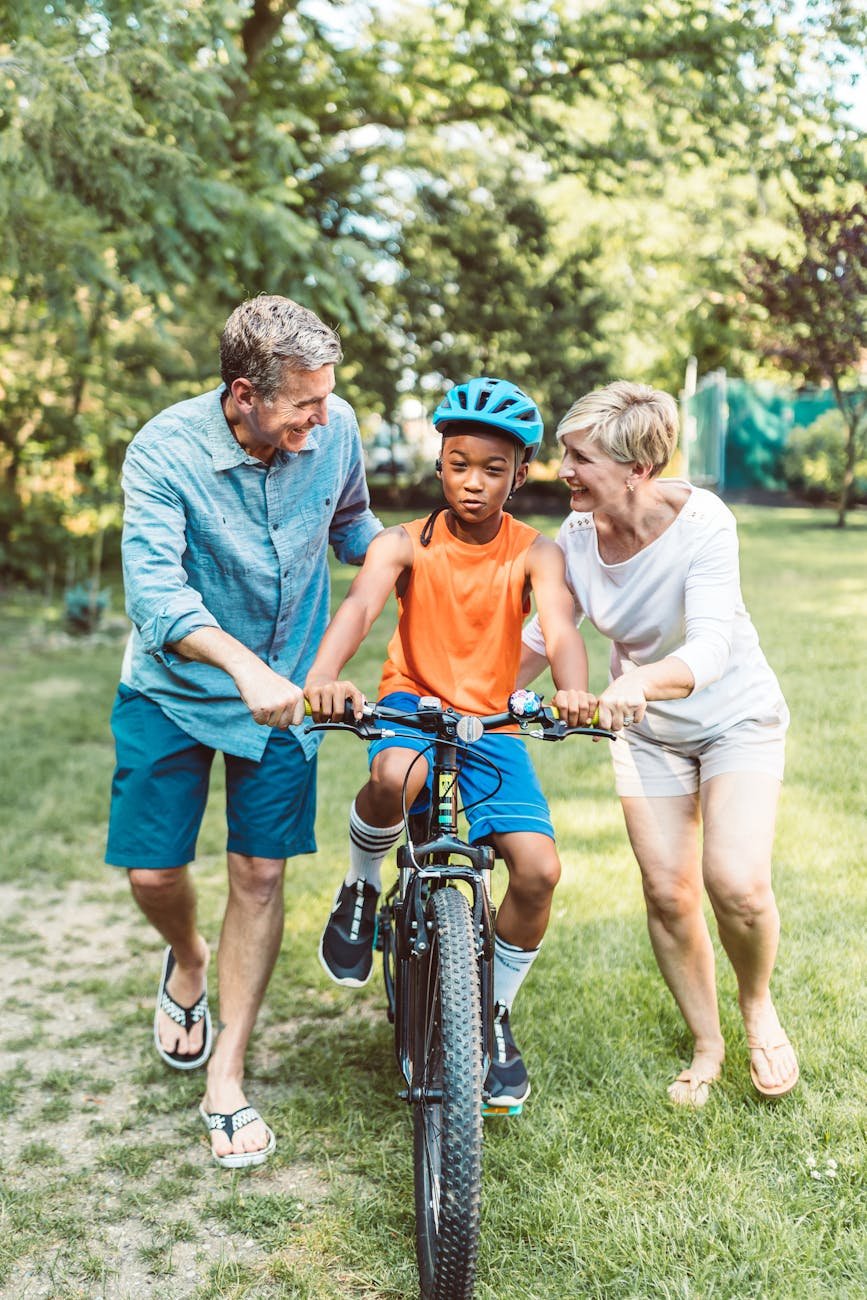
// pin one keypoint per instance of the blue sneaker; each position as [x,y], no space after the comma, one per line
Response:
[346,946]
[507,1084]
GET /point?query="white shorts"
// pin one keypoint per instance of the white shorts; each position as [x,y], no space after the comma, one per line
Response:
[647,768]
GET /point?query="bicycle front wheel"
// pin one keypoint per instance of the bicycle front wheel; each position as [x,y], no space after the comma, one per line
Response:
[447,1079]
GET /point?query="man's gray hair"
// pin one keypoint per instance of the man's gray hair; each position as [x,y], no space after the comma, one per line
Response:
[630,422]
[268,334]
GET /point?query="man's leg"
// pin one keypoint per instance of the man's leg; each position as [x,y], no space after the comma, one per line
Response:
[270,810]
[168,900]
[249,944]
[158,796]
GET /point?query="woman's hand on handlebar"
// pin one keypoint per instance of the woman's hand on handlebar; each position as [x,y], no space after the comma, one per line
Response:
[576,708]
[328,699]
[621,704]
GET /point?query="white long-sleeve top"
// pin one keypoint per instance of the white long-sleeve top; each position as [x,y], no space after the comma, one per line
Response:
[679,596]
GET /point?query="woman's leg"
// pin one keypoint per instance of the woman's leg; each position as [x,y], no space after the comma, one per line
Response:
[663,832]
[739,814]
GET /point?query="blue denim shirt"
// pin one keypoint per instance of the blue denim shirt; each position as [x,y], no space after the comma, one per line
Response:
[214,538]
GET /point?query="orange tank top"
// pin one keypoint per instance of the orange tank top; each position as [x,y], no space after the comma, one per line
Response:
[459,619]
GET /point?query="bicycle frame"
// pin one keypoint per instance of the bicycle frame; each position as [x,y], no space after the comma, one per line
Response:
[430,864]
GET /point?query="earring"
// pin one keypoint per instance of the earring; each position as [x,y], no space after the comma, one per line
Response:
[630,487]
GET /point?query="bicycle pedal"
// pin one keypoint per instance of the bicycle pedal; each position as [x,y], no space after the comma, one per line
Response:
[489,1109]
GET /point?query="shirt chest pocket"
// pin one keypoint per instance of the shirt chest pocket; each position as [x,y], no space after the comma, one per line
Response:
[216,548]
[317,512]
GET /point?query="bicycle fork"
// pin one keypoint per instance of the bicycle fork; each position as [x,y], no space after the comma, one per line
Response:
[441,860]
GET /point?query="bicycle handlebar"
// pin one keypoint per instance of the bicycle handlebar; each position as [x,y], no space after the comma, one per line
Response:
[444,723]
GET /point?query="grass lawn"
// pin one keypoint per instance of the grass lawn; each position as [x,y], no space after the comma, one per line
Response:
[600,1189]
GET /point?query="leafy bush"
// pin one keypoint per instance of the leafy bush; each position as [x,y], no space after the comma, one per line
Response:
[814,460]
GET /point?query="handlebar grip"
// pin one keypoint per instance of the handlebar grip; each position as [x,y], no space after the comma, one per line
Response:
[555,713]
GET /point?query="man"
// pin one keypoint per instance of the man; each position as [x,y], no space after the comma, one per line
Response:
[231,501]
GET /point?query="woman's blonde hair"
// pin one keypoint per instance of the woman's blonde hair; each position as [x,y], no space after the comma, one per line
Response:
[630,422]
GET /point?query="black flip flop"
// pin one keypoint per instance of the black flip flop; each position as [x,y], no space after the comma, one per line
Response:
[185,1017]
[229,1124]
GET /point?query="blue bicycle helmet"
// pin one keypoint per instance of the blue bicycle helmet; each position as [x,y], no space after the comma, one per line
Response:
[496,403]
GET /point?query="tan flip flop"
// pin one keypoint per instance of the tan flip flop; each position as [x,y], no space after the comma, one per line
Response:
[775,1089]
[695,1090]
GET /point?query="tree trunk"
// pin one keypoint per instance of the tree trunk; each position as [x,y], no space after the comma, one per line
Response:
[852,417]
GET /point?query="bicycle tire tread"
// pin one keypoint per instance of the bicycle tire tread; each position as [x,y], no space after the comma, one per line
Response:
[456,1242]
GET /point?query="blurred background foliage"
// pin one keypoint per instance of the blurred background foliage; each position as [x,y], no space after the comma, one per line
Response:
[564,191]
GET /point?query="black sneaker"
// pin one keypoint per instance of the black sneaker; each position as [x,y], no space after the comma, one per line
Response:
[507,1081]
[346,946]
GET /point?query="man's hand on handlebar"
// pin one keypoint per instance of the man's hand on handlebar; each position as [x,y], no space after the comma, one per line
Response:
[273,700]
[328,699]
[576,708]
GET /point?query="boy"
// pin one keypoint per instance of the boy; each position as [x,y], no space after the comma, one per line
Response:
[462,579]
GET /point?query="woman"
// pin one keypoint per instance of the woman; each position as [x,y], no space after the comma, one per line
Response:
[653,564]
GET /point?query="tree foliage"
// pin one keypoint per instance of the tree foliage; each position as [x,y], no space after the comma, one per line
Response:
[813,303]
[160,163]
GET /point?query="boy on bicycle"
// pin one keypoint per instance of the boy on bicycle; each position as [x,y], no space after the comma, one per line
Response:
[462,578]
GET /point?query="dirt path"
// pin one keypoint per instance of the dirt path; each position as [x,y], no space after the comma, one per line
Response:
[107,1187]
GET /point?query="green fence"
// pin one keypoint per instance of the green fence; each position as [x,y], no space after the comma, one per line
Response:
[735,433]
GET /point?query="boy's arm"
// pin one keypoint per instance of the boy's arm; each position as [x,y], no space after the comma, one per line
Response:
[555,605]
[388,556]
[532,663]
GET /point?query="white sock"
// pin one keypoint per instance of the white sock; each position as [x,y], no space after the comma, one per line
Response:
[368,846]
[511,968]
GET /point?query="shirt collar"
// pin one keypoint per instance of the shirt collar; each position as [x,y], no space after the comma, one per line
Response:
[226,451]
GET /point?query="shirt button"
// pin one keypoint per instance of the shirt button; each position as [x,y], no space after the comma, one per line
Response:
[274,527]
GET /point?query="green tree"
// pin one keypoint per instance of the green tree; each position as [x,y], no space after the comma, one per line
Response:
[484,290]
[812,300]
[157,164]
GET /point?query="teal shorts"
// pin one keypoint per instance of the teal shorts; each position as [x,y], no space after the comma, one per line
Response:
[160,788]
[498,785]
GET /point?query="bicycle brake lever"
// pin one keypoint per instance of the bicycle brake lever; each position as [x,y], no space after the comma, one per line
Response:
[562,731]
[364,730]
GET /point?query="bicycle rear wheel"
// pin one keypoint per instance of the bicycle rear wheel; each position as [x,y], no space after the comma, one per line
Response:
[447,1077]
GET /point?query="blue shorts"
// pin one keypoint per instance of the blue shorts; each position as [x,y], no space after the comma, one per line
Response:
[160,788]
[491,808]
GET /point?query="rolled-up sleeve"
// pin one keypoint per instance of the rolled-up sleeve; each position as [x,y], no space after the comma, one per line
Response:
[159,599]
[711,600]
[353,525]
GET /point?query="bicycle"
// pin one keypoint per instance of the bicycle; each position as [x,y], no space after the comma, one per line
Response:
[437,945]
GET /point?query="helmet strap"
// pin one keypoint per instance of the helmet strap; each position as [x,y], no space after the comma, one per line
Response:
[519,460]
[427,530]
